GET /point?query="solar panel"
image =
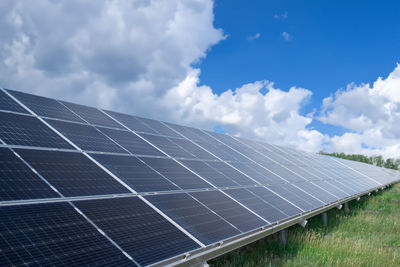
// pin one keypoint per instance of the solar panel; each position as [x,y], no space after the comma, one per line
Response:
[53,234]
[176,173]
[256,204]
[231,211]
[194,217]
[167,146]
[277,201]
[159,127]
[317,192]
[46,107]
[139,230]
[258,173]
[148,192]
[8,104]
[230,172]
[135,173]
[26,130]
[296,196]
[132,122]
[193,134]
[333,187]
[17,181]
[92,115]
[131,142]
[71,173]
[86,137]
[209,173]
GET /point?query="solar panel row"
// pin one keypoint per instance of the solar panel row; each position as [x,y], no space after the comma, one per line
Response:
[195,187]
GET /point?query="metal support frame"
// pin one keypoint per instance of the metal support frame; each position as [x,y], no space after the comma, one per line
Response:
[346,207]
[199,256]
[282,237]
[325,218]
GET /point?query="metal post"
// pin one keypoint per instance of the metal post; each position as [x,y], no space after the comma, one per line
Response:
[325,218]
[283,237]
[346,207]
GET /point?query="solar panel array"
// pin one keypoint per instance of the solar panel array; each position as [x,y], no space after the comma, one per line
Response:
[81,185]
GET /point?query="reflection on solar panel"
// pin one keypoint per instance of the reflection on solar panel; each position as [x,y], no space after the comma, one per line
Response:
[137,191]
[46,107]
[73,174]
[140,231]
[197,219]
[53,234]
[17,181]
[6,103]
[28,131]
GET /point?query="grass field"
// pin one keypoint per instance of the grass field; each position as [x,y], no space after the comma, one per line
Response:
[368,236]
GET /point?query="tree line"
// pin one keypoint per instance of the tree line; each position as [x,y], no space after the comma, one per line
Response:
[379,161]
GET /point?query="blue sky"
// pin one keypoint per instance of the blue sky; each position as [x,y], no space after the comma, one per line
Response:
[332,44]
[304,74]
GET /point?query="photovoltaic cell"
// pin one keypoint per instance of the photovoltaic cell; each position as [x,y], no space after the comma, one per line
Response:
[7,103]
[28,131]
[131,122]
[231,211]
[193,149]
[17,181]
[159,127]
[46,107]
[194,217]
[209,173]
[72,173]
[230,172]
[253,202]
[92,115]
[135,173]
[258,173]
[296,196]
[333,188]
[131,142]
[167,146]
[193,134]
[138,229]
[317,192]
[275,201]
[86,137]
[176,173]
[53,234]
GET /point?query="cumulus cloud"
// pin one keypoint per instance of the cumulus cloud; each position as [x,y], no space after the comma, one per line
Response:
[137,56]
[370,112]
[255,110]
[103,52]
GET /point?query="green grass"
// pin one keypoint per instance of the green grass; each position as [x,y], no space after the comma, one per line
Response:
[368,236]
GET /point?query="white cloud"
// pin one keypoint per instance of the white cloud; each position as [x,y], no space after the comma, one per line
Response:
[137,56]
[286,36]
[371,112]
[131,49]
[255,110]
[254,37]
[281,16]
